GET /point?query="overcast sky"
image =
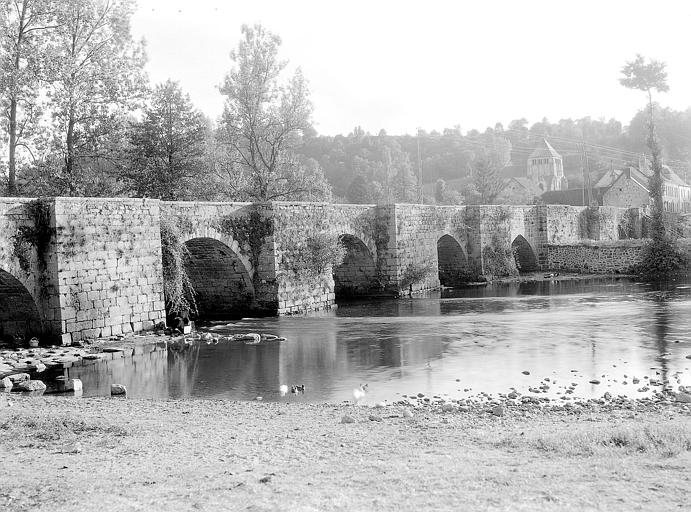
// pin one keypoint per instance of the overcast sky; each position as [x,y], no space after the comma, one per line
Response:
[400,65]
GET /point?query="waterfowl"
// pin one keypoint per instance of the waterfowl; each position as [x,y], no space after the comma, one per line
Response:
[360,392]
[283,389]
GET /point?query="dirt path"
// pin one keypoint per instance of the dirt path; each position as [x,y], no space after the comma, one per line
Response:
[121,454]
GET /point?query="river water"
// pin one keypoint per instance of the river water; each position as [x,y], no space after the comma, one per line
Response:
[454,344]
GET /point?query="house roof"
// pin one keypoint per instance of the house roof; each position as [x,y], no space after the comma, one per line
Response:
[513,171]
[545,150]
[608,178]
[570,196]
[672,177]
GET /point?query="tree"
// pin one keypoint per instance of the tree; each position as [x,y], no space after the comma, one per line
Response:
[358,191]
[97,79]
[264,119]
[649,76]
[486,178]
[168,145]
[444,195]
[23,25]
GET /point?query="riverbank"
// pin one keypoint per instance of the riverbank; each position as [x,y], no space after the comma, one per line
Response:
[115,454]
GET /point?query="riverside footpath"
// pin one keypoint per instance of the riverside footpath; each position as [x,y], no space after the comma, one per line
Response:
[118,454]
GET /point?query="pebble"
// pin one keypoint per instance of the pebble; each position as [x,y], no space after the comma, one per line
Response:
[407,414]
[374,417]
[498,410]
[118,389]
[525,372]
[347,419]
[31,385]
[594,381]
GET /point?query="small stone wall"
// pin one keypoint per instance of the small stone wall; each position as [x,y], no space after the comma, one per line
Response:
[598,258]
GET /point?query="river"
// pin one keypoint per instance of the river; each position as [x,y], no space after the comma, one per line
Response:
[454,343]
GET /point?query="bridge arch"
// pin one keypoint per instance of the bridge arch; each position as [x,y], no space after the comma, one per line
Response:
[524,254]
[19,313]
[452,261]
[357,275]
[221,280]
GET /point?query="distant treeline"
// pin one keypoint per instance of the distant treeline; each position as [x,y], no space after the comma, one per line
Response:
[362,167]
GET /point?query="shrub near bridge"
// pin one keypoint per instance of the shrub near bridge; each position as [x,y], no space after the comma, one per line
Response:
[661,257]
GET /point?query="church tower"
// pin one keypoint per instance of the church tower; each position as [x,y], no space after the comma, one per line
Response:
[546,169]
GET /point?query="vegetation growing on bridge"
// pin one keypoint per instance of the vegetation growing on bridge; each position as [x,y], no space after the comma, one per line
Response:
[315,255]
[249,231]
[177,287]
[36,236]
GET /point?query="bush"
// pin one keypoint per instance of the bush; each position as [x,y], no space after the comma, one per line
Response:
[660,257]
[318,253]
[414,274]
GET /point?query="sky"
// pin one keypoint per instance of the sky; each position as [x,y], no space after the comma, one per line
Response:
[403,65]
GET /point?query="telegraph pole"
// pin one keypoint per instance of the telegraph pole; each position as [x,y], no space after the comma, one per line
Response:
[585,169]
[421,197]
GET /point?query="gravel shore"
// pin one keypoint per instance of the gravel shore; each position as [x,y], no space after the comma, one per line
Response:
[117,454]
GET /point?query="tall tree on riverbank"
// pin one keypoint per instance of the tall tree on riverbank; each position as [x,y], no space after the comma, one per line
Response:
[97,79]
[649,76]
[263,122]
[23,36]
[661,256]
[168,145]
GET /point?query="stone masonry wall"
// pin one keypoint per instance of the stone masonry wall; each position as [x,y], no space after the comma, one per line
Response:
[23,303]
[109,266]
[101,272]
[294,224]
[219,221]
[599,258]
[418,228]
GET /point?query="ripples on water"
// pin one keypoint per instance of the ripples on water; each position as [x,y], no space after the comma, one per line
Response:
[455,342]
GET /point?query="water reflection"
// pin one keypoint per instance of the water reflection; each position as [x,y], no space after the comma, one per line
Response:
[456,342]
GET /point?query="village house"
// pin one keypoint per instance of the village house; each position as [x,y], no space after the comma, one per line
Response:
[629,188]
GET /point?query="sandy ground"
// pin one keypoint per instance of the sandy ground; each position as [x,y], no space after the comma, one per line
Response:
[117,454]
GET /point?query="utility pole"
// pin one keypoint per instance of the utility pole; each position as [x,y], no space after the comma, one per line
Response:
[421,197]
[585,169]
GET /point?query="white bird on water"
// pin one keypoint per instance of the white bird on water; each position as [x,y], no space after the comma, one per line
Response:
[360,392]
[283,389]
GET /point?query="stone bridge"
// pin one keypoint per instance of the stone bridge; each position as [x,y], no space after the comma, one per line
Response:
[87,267]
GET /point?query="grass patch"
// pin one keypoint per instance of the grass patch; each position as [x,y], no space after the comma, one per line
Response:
[59,426]
[666,440]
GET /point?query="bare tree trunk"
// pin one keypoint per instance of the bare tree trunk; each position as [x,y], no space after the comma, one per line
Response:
[657,214]
[11,181]
[69,159]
